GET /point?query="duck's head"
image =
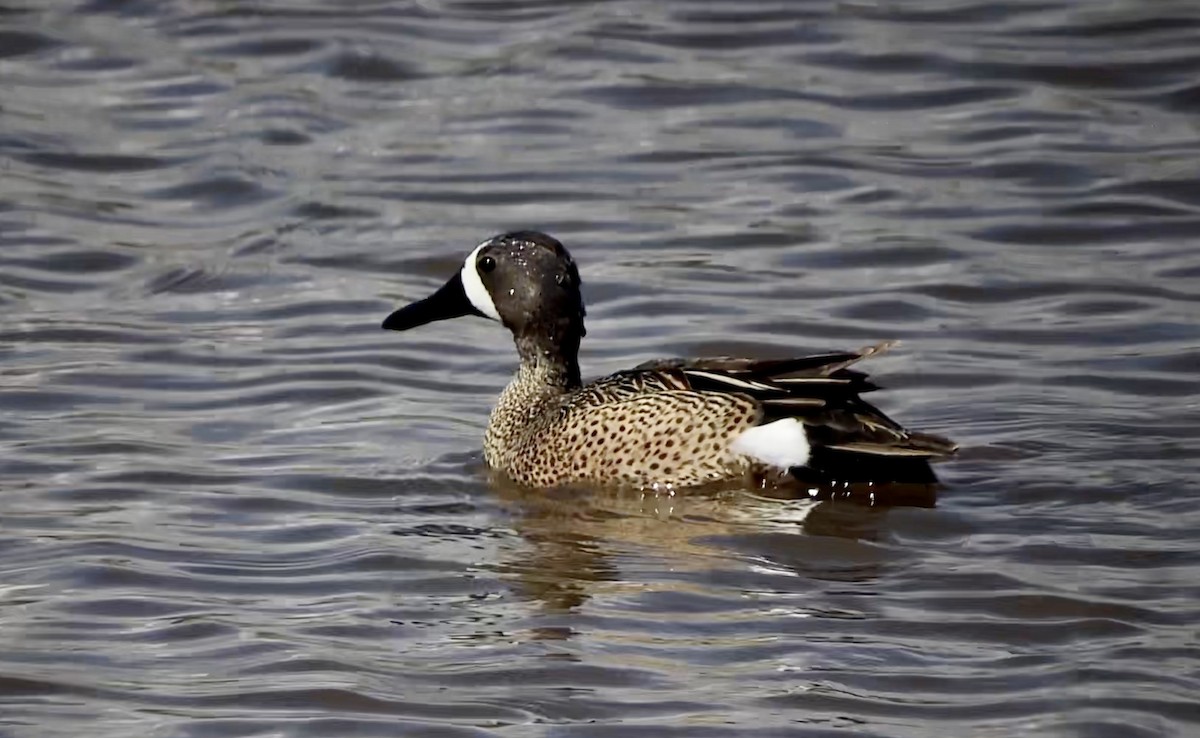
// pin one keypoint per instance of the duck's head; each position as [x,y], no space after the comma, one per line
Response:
[526,280]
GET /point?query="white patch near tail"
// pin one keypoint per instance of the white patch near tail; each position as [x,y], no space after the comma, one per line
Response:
[473,285]
[782,444]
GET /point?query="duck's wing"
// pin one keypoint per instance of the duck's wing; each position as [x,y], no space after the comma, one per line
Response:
[821,391]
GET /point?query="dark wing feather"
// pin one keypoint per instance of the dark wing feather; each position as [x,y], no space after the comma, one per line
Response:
[821,391]
[626,384]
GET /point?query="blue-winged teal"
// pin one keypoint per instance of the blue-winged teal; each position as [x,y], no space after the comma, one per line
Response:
[676,422]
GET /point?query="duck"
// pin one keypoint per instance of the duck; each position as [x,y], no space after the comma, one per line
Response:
[667,423]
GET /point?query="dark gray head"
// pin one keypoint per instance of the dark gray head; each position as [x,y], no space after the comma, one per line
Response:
[526,280]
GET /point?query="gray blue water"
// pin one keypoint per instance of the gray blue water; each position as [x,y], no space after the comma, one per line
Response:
[230,505]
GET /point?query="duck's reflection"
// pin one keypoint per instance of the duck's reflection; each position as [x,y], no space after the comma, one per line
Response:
[583,541]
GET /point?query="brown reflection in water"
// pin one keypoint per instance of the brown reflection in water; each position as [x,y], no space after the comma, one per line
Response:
[575,534]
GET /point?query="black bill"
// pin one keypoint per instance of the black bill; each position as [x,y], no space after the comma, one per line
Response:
[448,302]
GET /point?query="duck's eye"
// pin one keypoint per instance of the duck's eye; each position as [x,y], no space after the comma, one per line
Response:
[487,264]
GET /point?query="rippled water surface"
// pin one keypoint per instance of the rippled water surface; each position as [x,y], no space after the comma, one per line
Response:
[232,506]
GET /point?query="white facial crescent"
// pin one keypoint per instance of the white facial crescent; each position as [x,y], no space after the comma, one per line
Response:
[473,285]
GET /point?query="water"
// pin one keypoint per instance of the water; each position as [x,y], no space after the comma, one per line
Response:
[232,506]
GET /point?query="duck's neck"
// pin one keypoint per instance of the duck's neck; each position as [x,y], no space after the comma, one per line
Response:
[549,362]
[549,370]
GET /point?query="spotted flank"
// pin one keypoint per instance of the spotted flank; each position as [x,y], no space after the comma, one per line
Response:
[676,422]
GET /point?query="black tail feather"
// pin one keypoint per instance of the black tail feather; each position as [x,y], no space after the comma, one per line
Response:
[829,466]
